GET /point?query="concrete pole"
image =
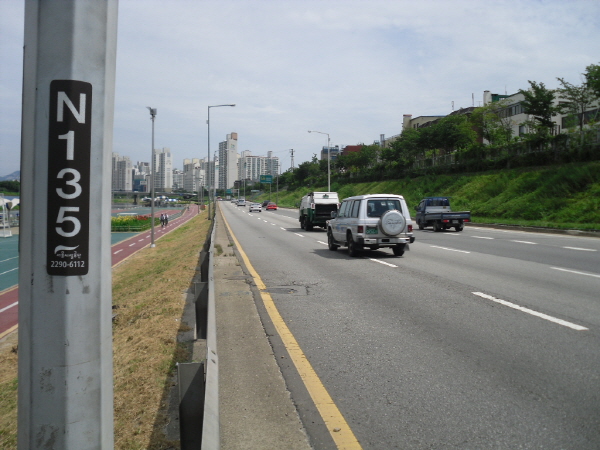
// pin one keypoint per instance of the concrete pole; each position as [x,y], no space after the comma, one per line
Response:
[65,296]
[215,161]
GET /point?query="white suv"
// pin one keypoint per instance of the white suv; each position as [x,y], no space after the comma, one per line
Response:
[371,221]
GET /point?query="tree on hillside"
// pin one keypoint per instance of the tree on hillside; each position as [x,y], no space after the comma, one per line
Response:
[306,171]
[427,140]
[575,100]
[286,178]
[496,128]
[360,160]
[452,133]
[403,150]
[539,102]
[592,77]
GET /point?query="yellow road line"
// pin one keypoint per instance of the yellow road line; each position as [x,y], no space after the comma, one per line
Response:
[12,288]
[10,330]
[334,420]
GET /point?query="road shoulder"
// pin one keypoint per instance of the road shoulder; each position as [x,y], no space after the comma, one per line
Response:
[256,410]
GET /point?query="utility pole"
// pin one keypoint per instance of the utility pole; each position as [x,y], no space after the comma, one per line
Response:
[292,152]
[65,398]
[215,162]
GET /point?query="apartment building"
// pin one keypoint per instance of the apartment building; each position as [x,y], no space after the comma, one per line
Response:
[514,112]
[177,179]
[228,161]
[193,174]
[163,168]
[141,176]
[122,173]
[333,152]
[252,167]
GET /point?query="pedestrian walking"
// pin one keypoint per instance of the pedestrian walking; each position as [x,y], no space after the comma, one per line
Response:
[162,220]
[166,220]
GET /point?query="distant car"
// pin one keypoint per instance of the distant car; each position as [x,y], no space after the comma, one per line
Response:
[255,207]
[271,205]
[265,203]
[234,200]
[241,202]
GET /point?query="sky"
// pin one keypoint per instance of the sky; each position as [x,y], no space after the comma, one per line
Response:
[351,69]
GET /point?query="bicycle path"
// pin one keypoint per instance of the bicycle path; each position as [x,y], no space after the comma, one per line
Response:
[9,297]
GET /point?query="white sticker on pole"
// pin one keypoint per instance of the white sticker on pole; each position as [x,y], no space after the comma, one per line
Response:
[69,148]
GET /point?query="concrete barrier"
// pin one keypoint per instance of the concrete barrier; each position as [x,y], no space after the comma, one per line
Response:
[198,382]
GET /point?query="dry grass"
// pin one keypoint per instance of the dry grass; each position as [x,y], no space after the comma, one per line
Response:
[148,294]
[8,397]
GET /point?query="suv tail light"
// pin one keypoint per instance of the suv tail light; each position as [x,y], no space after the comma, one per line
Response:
[360,229]
[409,228]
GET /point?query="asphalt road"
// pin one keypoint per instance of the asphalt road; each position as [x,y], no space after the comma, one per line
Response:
[478,339]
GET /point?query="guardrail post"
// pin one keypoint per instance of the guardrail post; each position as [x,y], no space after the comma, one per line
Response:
[205,260]
[201,306]
[190,378]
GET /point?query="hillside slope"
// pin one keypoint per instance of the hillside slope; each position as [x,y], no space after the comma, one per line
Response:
[559,197]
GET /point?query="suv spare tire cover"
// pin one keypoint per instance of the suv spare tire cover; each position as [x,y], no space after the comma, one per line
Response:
[392,222]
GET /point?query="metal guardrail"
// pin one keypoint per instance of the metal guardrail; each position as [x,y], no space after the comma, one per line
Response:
[199,381]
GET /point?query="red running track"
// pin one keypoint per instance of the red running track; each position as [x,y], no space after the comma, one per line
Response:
[9,298]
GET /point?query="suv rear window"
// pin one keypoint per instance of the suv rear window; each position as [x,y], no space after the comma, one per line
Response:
[376,208]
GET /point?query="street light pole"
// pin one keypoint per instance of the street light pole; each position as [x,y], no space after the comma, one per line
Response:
[208,166]
[152,116]
[215,178]
[277,194]
[328,160]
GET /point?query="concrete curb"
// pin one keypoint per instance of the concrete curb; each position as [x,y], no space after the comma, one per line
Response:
[256,410]
[498,226]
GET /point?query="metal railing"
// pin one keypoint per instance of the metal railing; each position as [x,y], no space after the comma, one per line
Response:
[199,381]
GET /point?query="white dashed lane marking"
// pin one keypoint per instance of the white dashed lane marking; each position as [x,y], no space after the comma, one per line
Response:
[531,311]
[383,262]
[450,249]
[576,272]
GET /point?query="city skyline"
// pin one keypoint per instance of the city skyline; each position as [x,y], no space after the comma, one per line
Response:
[129,176]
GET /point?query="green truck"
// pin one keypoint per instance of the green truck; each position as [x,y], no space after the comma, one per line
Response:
[316,208]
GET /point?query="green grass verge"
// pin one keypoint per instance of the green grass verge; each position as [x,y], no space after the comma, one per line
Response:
[564,197]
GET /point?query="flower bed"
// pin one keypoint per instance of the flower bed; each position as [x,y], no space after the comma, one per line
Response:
[132,223]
